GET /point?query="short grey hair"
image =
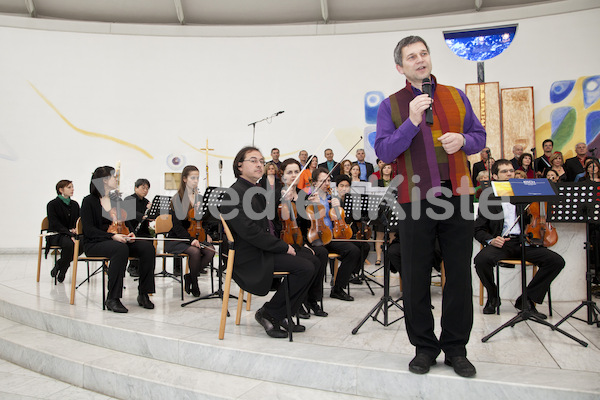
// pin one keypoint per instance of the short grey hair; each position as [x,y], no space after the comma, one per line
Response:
[407,41]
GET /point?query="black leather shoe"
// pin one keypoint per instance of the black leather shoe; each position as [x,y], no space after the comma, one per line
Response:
[61,275]
[194,289]
[271,326]
[532,309]
[144,301]
[340,294]
[461,365]
[295,327]
[133,271]
[187,283]
[421,363]
[54,271]
[116,306]
[491,305]
[356,280]
[316,309]
[303,313]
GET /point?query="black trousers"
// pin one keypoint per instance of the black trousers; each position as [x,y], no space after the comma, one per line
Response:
[302,272]
[118,253]
[67,248]
[417,243]
[350,257]
[550,264]
[319,260]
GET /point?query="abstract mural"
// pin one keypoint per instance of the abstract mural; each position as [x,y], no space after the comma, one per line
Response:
[573,115]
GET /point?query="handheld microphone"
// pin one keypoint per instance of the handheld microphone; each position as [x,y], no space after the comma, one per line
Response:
[427,89]
[279,112]
[220,165]
[592,149]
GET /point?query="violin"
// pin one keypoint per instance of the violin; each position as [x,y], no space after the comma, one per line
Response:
[195,229]
[364,231]
[539,231]
[290,233]
[318,231]
[118,216]
[341,230]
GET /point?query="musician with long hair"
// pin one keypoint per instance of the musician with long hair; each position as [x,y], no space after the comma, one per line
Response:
[97,216]
[184,209]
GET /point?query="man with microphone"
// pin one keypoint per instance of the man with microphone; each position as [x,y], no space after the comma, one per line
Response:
[429,136]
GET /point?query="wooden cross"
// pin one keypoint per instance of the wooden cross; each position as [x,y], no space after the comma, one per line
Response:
[206,150]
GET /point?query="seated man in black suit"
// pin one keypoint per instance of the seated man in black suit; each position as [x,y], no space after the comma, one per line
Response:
[517,151]
[366,168]
[258,252]
[500,238]
[330,164]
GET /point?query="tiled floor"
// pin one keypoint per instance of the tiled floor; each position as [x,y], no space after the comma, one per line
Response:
[527,344]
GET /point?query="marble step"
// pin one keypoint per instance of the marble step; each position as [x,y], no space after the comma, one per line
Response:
[326,368]
[127,376]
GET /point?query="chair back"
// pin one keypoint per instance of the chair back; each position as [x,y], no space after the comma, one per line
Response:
[45,224]
[164,223]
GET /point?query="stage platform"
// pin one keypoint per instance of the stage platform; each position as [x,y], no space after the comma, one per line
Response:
[173,352]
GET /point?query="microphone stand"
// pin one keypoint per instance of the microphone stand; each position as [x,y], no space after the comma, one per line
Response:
[268,119]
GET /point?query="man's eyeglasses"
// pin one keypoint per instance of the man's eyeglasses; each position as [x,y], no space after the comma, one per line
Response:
[256,161]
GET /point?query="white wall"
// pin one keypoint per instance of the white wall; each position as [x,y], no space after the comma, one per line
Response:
[152,91]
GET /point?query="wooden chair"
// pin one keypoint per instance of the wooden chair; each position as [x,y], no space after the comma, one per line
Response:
[227,289]
[87,260]
[54,249]
[164,223]
[514,263]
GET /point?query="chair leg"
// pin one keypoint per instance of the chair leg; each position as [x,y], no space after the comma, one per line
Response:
[248,302]
[549,302]
[74,273]
[443,278]
[240,305]
[498,285]
[288,307]
[104,266]
[480,293]
[226,290]
[181,275]
[39,266]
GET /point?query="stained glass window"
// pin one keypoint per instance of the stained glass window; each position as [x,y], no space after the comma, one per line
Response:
[480,44]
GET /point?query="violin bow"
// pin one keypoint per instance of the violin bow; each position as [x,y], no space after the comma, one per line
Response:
[338,163]
[295,181]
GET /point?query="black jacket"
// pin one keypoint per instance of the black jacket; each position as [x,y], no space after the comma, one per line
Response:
[140,209]
[572,168]
[336,170]
[61,218]
[486,229]
[255,245]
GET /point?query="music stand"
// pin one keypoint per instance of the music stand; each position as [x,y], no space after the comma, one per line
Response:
[389,219]
[523,195]
[359,207]
[160,205]
[209,212]
[580,202]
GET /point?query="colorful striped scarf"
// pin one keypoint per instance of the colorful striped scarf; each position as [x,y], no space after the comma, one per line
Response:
[426,157]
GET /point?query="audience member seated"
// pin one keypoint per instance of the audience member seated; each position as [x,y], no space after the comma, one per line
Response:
[556,160]
[551,175]
[575,165]
[517,151]
[526,165]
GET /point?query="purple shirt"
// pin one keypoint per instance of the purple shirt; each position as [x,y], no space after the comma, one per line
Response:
[391,142]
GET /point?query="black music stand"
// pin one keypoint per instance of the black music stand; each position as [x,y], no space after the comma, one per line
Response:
[520,201]
[389,218]
[160,205]
[211,201]
[580,202]
[359,207]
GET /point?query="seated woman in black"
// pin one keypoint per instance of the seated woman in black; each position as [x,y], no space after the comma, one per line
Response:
[98,242]
[63,213]
[186,199]
[318,255]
